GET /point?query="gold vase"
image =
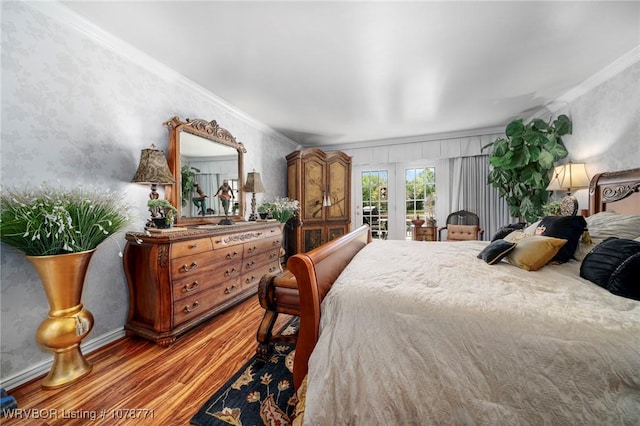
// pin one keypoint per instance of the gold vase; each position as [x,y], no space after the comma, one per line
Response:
[68,322]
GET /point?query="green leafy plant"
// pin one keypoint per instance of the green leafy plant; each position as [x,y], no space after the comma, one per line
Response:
[52,220]
[522,163]
[162,208]
[188,182]
[553,208]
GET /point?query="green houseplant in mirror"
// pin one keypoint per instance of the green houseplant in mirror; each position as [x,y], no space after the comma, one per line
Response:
[58,230]
[188,182]
[522,163]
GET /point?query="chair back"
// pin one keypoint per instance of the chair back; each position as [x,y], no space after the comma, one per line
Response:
[461,226]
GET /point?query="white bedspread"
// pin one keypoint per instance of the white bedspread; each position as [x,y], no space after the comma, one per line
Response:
[425,333]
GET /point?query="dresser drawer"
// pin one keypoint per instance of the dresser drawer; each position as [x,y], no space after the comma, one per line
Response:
[190,265]
[205,279]
[253,262]
[261,246]
[237,238]
[204,301]
[186,248]
[252,278]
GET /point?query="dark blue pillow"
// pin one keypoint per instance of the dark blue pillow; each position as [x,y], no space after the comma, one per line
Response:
[506,230]
[496,251]
[568,228]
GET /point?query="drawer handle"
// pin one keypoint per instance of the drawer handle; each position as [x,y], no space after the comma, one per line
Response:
[273,255]
[229,272]
[276,243]
[188,309]
[250,264]
[190,287]
[250,279]
[273,269]
[188,268]
[232,255]
[252,249]
[193,246]
[229,289]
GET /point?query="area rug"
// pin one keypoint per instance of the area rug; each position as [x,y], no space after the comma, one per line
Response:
[259,393]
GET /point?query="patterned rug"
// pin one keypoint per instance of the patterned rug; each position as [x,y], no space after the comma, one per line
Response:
[260,393]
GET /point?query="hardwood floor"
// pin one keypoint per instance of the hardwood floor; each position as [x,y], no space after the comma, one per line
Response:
[135,378]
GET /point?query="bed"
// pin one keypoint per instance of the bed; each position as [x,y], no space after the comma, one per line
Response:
[406,332]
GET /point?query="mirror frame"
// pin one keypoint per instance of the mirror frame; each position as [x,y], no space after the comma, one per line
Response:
[208,130]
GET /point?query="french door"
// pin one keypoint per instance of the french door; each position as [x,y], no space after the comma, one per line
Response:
[389,196]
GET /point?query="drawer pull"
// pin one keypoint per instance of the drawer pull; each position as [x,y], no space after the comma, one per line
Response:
[229,289]
[250,264]
[232,255]
[252,249]
[229,272]
[273,269]
[250,279]
[190,287]
[193,246]
[187,268]
[273,256]
[276,243]
[188,309]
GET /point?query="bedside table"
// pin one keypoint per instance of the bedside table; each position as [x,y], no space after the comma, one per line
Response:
[424,233]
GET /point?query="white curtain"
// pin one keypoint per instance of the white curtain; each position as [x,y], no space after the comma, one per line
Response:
[470,191]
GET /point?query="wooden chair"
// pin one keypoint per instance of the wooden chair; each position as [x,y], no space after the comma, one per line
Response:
[461,226]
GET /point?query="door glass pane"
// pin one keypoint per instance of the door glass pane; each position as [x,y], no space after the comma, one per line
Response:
[375,201]
[420,190]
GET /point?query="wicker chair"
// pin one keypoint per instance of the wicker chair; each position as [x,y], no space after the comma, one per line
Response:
[462,225]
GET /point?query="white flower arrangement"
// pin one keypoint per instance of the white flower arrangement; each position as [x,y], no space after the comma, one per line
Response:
[282,209]
[49,221]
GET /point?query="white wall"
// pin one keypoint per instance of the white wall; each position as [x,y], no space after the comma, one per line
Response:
[77,108]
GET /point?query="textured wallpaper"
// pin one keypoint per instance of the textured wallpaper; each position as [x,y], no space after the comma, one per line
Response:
[75,112]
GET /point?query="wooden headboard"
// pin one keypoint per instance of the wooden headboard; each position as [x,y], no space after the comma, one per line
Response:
[615,191]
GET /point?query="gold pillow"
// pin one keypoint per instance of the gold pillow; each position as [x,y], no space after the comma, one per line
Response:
[532,253]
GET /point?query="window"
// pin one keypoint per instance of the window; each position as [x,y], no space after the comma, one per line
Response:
[420,198]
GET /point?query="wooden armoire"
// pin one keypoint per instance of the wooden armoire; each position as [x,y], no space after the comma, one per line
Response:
[321,181]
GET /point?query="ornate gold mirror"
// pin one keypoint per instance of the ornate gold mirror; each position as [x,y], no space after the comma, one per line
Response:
[206,162]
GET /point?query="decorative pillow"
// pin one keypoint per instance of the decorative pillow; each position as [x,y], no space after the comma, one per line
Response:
[496,251]
[532,253]
[506,230]
[516,236]
[568,228]
[608,224]
[615,265]
[531,229]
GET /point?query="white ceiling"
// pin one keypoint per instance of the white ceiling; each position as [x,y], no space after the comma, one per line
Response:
[336,72]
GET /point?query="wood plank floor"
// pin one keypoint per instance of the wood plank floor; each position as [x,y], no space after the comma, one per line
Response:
[161,386]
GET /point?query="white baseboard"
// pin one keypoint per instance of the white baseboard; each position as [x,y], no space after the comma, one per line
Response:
[42,368]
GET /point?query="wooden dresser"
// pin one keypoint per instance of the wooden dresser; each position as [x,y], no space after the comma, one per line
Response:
[179,279]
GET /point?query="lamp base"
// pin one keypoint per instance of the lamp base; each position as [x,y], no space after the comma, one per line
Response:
[225,221]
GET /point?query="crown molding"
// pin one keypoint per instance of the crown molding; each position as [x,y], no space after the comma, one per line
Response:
[70,18]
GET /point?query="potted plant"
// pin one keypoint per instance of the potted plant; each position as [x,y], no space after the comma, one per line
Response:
[522,163]
[188,182]
[162,213]
[264,210]
[283,209]
[58,230]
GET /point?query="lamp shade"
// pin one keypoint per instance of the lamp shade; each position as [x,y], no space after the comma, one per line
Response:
[568,176]
[153,168]
[254,183]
